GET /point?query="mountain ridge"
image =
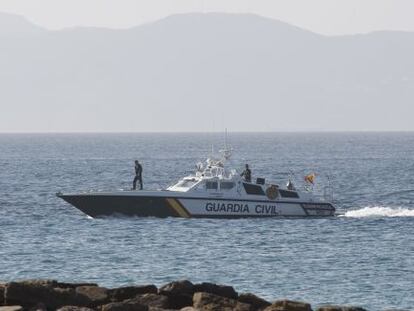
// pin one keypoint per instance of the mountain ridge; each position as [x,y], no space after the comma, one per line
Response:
[188,71]
[21,18]
[13,24]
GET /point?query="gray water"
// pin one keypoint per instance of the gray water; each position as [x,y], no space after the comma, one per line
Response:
[363,257]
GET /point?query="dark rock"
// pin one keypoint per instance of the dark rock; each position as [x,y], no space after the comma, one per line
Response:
[59,297]
[128,292]
[29,293]
[180,301]
[180,293]
[288,305]
[212,302]
[93,294]
[256,302]
[220,290]
[127,305]
[74,308]
[178,287]
[11,308]
[152,300]
[340,308]
[73,285]
[2,289]
[39,307]
[40,282]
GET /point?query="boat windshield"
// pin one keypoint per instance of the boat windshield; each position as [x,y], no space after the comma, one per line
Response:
[186,183]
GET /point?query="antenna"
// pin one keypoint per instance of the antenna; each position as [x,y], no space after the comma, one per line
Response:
[212,140]
[225,138]
[226,151]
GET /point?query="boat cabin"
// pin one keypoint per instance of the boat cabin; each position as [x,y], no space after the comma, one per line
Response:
[231,185]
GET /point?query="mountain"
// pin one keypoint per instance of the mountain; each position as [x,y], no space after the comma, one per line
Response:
[198,72]
[15,25]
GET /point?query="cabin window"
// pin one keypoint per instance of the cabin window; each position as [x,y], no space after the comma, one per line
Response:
[288,194]
[253,189]
[211,185]
[226,185]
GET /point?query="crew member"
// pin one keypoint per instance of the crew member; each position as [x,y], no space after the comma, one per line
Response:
[247,174]
[290,185]
[138,176]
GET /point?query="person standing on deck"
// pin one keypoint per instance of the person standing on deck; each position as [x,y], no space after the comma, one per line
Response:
[247,174]
[138,176]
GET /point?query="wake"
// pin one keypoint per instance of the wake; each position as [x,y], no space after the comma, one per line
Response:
[379,211]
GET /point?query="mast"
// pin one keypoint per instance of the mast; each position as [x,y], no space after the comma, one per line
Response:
[226,151]
[225,138]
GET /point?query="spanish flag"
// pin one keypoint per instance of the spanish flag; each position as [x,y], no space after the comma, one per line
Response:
[310,178]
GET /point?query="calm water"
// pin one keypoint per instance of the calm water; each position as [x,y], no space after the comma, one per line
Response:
[364,257]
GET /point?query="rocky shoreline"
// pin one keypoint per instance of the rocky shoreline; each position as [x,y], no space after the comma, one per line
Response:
[45,295]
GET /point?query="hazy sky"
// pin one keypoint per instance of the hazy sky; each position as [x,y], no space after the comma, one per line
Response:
[322,16]
[194,72]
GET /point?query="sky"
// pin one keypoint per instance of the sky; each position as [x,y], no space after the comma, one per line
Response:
[329,17]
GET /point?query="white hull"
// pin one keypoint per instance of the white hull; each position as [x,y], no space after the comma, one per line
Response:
[239,208]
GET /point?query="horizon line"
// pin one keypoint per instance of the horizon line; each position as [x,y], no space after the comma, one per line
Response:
[211,132]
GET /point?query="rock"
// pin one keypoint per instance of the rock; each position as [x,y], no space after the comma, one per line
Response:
[188,309]
[94,295]
[2,289]
[152,300]
[40,282]
[340,308]
[211,302]
[74,308]
[59,297]
[73,285]
[178,287]
[29,293]
[180,293]
[39,307]
[288,305]
[141,302]
[255,301]
[220,290]
[145,302]
[128,292]
[127,305]
[11,308]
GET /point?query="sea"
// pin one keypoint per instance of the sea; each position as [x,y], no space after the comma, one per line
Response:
[364,256]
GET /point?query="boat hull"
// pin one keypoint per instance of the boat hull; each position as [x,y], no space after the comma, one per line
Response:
[99,205]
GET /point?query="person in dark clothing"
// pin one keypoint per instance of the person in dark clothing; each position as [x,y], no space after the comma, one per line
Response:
[138,176]
[247,174]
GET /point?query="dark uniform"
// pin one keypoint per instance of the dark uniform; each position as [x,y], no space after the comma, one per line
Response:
[138,176]
[247,174]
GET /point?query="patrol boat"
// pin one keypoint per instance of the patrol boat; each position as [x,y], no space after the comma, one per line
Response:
[211,192]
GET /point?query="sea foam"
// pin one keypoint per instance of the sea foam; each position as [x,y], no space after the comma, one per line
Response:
[380,211]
